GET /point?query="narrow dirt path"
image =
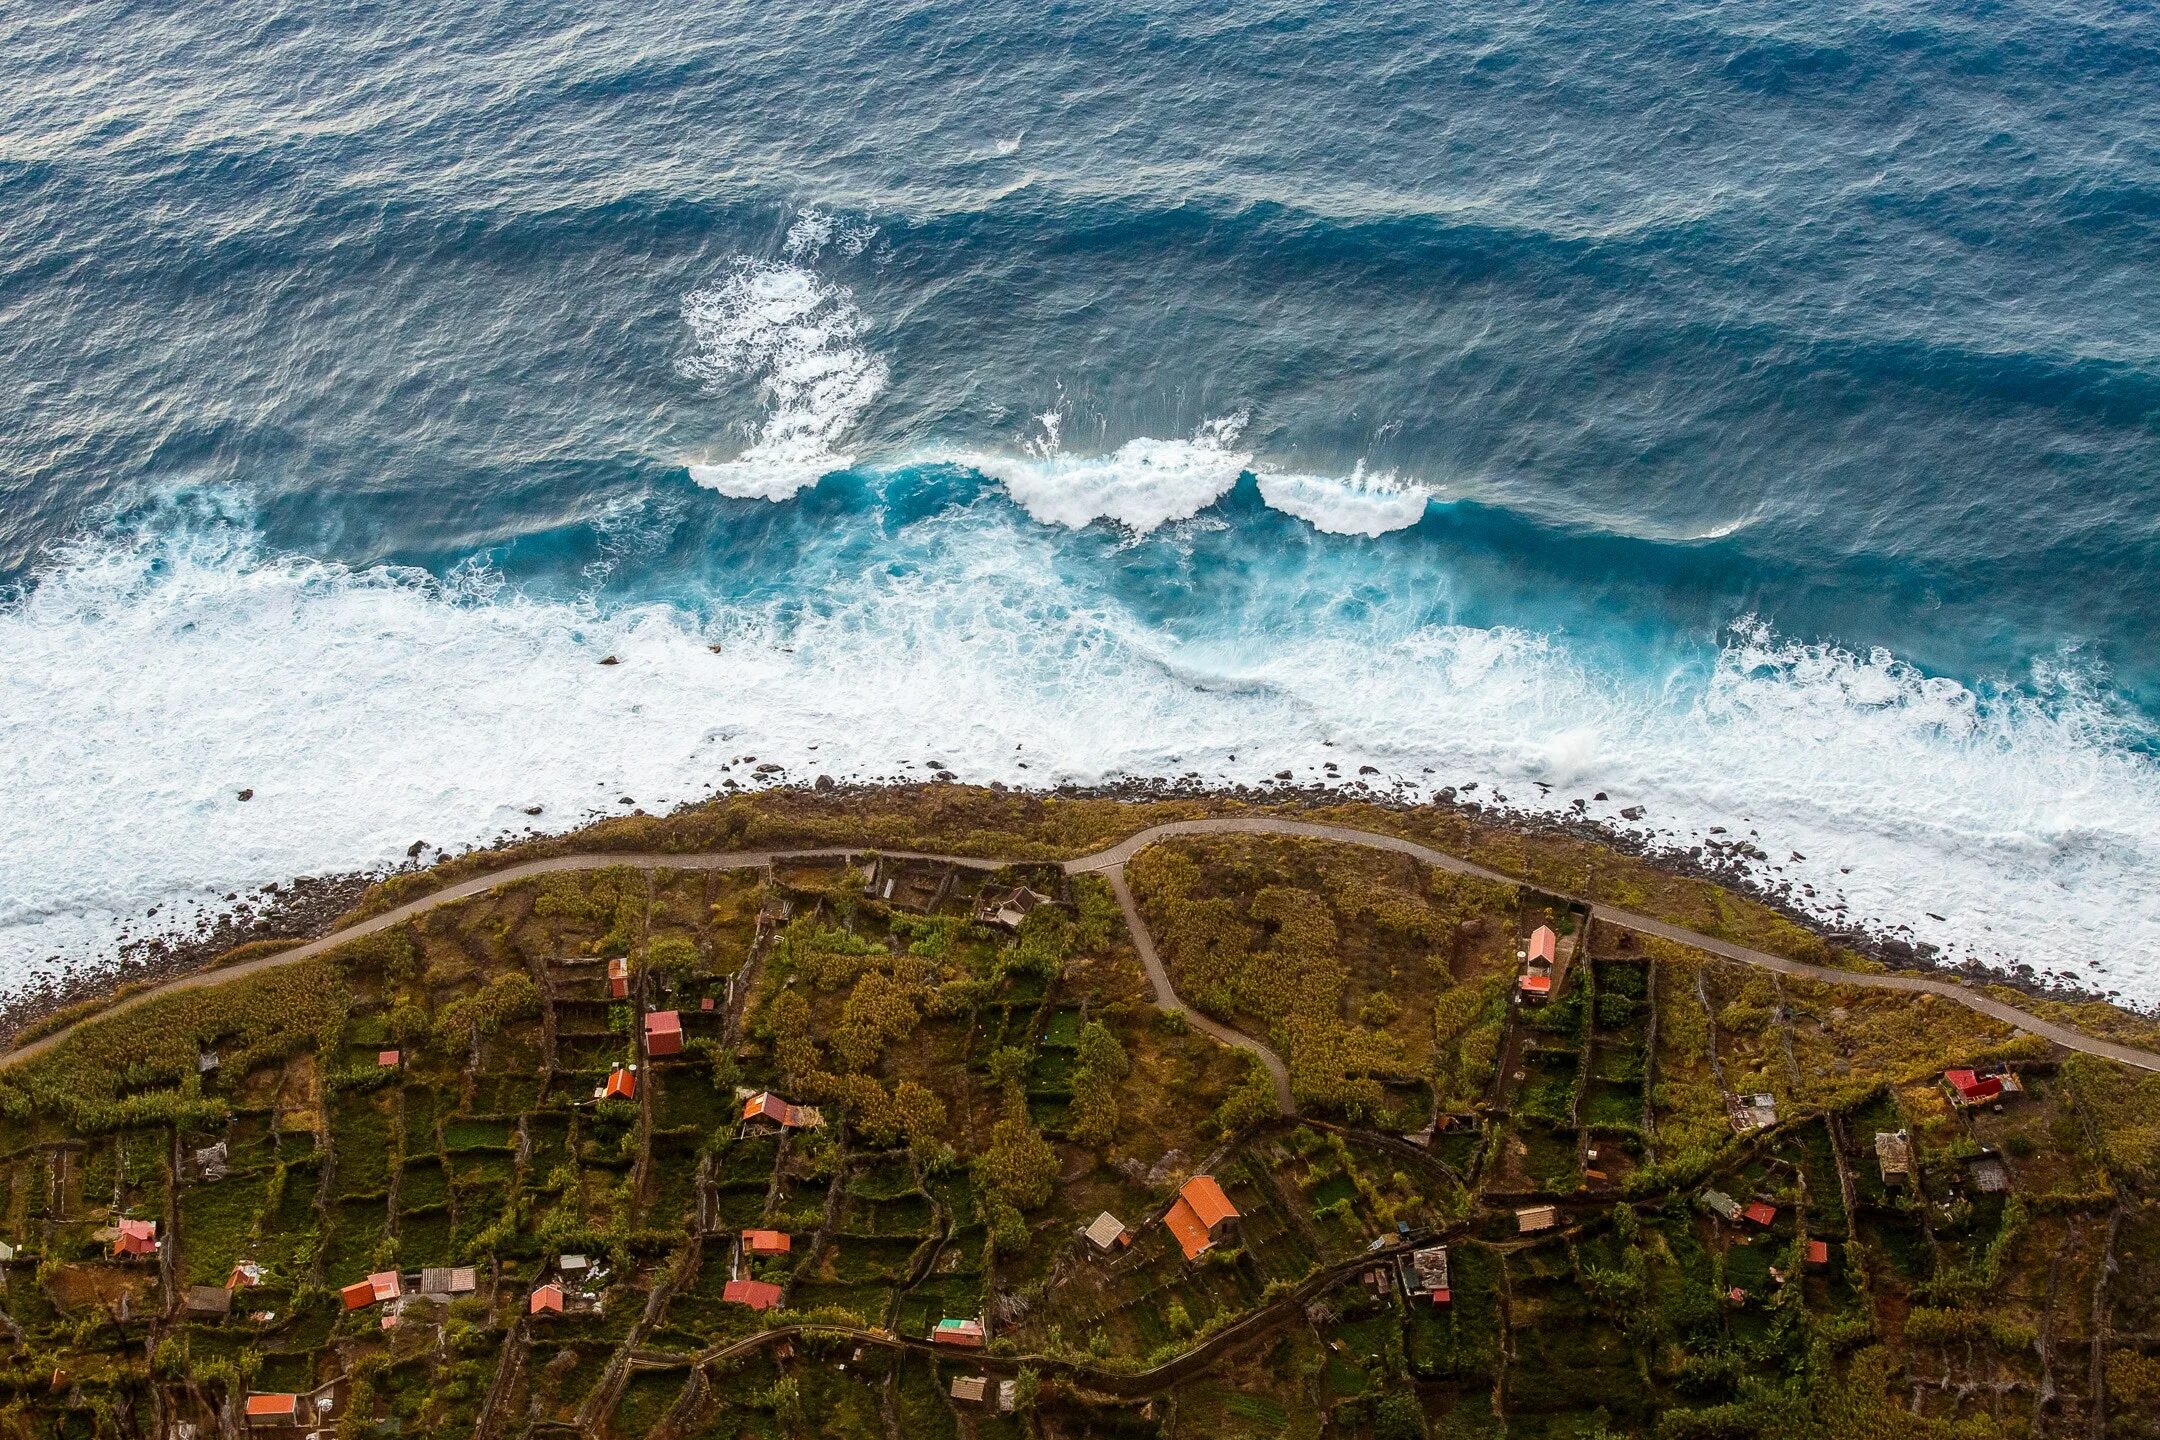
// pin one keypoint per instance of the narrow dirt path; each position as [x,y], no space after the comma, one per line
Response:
[1166,996]
[1111,864]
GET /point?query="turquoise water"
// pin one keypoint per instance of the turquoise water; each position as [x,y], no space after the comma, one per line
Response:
[1748,417]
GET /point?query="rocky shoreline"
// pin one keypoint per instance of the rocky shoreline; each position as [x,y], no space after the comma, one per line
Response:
[305,908]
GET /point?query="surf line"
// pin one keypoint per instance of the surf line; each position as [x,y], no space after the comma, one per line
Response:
[1110,863]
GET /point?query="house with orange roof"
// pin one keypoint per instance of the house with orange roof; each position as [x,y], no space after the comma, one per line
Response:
[1536,981]
[1200,1217]
[766,1108]
[621,1085]
[133,1239]
[767,1242]
[269,1410]
[618,978]
[756,1294]
[547,1300]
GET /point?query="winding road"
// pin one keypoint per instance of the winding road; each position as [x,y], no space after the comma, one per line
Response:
[1110,864]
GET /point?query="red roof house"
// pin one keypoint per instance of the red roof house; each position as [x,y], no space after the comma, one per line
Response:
[273,1409]
[755,1293]
[385,1284]
[1818,1253]
[663,1033]
[1538,985]
[1543,944]
[767,1242]
[135,1237]
[965,1333]
[1761,1213]
[547,1300]
[358,1295]
[620,1083]
[1200,1216]
[618,979]
[767,1106]
[386,1059]
[1973,1089]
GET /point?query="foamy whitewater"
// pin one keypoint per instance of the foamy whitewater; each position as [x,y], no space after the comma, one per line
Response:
[1066,394]
[153,676]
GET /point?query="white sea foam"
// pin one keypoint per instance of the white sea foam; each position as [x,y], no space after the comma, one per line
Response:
[146,680]
[798,338]
[1369,504]
[1142,485]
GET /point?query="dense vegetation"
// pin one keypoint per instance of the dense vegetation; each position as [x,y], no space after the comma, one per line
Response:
[986,1094]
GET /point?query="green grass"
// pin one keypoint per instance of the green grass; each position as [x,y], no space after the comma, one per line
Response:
[215,1221]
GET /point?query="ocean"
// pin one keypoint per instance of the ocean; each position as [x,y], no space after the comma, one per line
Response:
[1721,416]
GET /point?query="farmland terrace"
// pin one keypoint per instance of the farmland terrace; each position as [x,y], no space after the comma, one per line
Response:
[484,1159]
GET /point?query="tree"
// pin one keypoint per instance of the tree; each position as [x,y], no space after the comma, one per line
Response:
[1093,1116]
[673,958]
[1019,1168]
[1100,1051]
[921,1115]
[1007,1064]
[880,1011]
[786,1024]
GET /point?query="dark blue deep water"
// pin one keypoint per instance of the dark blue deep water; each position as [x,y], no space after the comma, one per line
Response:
[1749,413]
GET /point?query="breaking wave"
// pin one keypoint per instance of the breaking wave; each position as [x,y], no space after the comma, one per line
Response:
[153,674]
[797,338]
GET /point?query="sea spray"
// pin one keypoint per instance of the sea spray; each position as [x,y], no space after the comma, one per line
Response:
[156,671]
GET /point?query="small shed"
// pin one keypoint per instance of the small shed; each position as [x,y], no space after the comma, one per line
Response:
[1893,1154]
[621,1085]
[1761,1213]
[1108,1232]
[1005,907]
[1543,945]
[573,1264]
[1818,1254]
[135,1238]
[211,1300]
[663,1033]
[449,1280]
[967,1334]
[385,1284]
[973,1389]
[1530,1220]
[386,1059]
[618,978]
[767,1242]
[1718,1203]
[358,1295]
[547,1300]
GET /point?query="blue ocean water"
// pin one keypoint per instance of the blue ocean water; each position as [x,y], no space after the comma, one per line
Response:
[1749,415]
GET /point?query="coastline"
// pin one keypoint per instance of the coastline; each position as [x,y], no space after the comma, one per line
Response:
[308,907]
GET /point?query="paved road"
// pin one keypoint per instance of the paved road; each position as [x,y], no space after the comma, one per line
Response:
[1988,1005]
[1111,864]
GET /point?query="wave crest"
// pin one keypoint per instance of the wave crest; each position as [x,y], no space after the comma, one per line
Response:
[800,337]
